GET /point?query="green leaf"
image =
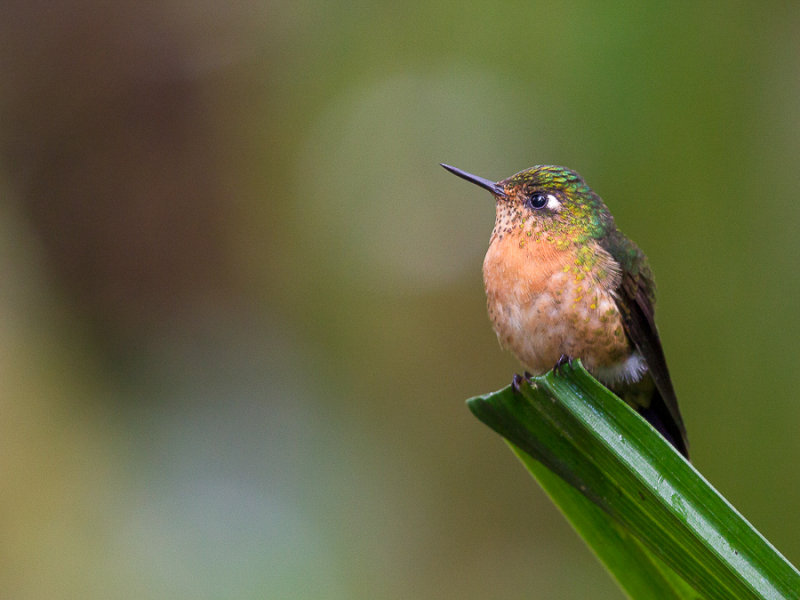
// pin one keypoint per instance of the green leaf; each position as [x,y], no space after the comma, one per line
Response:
[636,570]
[651,518]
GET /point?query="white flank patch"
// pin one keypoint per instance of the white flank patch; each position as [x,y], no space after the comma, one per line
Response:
[629,370]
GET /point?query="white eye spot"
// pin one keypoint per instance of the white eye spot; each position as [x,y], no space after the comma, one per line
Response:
[553,203]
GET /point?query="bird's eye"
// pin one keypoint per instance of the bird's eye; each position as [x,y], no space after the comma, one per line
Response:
[538,200]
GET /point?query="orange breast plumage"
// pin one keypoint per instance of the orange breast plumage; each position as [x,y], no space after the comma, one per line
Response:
[547,299]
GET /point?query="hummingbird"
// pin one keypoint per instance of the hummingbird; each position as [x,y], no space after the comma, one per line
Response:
[562,282]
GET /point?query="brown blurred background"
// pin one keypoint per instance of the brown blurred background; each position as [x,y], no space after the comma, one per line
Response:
[241,305]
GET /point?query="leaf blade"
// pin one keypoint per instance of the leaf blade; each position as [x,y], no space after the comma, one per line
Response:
[602,448]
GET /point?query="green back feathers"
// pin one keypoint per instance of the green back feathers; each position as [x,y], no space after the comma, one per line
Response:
[633,262]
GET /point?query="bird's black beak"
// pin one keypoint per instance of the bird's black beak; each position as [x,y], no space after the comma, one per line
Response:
[493,187]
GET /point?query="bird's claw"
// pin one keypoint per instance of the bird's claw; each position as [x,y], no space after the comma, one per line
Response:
[515,382]
[558,369]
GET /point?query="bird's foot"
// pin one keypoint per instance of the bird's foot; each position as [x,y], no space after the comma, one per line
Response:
[515,382]
[558,369]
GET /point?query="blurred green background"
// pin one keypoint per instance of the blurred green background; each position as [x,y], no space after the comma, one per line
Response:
[242,305]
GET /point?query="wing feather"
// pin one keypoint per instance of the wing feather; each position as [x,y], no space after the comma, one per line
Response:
[636,305]
[635,298]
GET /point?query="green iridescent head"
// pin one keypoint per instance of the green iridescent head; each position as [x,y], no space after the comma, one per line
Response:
[548,178]
[555,198]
